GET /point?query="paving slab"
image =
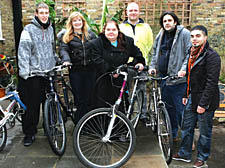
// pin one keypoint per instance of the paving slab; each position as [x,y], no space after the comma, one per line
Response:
[39,155]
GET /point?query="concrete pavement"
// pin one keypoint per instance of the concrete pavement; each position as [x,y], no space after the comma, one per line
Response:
[147,153]
[39,154]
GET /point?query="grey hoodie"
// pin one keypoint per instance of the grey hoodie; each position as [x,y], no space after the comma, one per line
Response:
[178,55]
[36,49]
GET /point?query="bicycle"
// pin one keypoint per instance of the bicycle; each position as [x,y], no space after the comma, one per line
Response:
[97,137]
[54,109]
[14,110]
[158,117]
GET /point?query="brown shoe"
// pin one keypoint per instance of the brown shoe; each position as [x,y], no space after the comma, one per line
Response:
[199,163]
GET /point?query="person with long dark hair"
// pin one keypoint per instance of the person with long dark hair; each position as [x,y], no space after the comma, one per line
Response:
[169,57]
[111,49]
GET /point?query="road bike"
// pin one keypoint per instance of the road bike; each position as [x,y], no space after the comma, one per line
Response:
[15,108]
[105,137]
[55,108]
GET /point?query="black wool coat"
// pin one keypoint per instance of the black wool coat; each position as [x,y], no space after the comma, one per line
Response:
[78,52]
[107,57]
[204,77]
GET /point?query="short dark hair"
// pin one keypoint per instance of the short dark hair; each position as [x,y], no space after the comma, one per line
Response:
[202,28]
[41,5]
[174,16]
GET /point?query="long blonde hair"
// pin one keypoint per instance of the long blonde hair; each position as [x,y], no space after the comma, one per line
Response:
[69,34]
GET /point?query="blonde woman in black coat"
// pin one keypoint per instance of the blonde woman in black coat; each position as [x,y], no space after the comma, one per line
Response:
[76,48]
[111,49]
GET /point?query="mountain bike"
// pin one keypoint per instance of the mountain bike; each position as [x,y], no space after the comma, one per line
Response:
[97,137]
[15,108]
[54,109]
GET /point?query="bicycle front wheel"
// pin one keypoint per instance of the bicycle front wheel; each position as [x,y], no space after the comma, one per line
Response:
[3,137]
[165,136]
[54,126]
[151,113]
[137,107]
[90,145]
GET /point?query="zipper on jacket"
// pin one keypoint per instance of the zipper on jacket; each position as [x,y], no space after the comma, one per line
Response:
[84,52]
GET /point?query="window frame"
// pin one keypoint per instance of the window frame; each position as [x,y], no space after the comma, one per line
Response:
[1,35]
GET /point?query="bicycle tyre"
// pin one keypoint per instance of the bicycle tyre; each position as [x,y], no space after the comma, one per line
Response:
[88,134]
[3,137]
[165,135]
[54,126]
[137,107]
[71,105]
[151,113]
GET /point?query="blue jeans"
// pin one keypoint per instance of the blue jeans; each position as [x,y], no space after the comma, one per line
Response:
[172,96]
[205,122]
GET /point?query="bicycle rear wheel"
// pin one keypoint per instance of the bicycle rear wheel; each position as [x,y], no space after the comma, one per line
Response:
[54,126]
[3,137]
[137,107]
[165,136]
[95,152]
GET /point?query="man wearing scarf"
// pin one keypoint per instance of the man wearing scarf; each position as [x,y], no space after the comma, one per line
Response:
[201,98]
[35,53]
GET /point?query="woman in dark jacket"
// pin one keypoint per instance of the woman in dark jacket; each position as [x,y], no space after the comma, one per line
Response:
[111,49]
[76,48]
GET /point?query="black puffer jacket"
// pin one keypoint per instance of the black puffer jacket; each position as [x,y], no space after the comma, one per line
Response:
[77,52]
[108,57]
[204,77]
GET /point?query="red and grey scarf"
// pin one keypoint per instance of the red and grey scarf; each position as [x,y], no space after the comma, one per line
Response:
[195,52]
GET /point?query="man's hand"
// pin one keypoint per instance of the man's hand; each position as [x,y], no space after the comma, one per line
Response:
[151,71]
[200,110]
[67,63]
[184,101]
[140,66]
[181,73]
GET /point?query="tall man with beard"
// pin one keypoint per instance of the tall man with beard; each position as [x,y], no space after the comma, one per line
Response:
[169,57]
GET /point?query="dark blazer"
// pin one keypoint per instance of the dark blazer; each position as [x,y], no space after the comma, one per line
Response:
[108,57]
[204,77]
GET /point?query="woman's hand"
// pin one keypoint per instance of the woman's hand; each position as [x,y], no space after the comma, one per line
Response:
[140,66]
[115,75]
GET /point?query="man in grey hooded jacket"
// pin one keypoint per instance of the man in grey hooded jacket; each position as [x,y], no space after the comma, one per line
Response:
[35,53]
[169,57]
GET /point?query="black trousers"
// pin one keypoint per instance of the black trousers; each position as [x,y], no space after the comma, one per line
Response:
[82,84]
[32,93]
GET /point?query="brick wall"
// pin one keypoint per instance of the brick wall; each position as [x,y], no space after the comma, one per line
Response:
[7,46]
[210,13]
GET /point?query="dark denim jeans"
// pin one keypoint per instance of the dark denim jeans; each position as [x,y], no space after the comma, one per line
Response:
[205,122]
[172,96]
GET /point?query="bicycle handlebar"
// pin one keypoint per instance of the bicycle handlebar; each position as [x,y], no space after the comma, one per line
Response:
[47,72]
[125,67]
[6,58]
[147,78]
